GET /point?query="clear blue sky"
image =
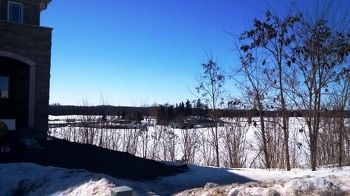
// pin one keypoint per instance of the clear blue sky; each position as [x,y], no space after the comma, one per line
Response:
[135,52]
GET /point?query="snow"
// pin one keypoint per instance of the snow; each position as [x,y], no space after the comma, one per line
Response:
[325,181]
[154,142]
[33,179]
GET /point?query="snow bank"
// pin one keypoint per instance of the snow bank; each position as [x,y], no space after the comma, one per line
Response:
[33,179]
[101,187]
[303,186]
[325,181]
[317,185]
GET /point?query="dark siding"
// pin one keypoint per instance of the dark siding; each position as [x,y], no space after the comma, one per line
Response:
[3,9]
[31,14]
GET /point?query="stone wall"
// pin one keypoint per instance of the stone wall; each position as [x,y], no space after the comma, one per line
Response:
[34,43]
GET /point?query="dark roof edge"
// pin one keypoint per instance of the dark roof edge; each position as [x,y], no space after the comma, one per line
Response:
[44,4]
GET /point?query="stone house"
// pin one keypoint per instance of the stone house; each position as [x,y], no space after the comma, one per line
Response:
[25,56]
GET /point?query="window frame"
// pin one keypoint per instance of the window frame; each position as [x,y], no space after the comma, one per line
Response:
[9,3]
[8,88]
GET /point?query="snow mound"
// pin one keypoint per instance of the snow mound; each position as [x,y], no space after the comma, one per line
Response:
[324,182]
[33,179]
[101,187]
[302,186]
[313,185]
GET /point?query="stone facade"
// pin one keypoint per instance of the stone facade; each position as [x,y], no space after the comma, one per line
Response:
[31,45]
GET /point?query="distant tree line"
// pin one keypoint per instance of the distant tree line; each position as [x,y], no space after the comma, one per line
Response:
[164,113]
[178,112]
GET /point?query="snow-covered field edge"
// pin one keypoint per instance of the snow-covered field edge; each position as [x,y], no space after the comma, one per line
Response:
[33,179]
[326,181]
[194,146]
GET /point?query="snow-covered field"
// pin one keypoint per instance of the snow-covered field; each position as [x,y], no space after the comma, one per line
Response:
[165,143]
[32,179]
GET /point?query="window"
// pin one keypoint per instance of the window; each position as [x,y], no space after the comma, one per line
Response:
[4,87]
[15,12]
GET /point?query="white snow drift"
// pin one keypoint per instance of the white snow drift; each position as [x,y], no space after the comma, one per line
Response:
[33,179]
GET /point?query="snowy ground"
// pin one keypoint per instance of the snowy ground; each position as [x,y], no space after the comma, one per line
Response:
[164,143]
[325,181]
[32,179]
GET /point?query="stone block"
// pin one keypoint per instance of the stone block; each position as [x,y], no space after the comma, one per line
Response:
[122,191]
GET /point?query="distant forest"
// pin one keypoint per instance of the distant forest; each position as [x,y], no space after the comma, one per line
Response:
[164,113]
[167,113]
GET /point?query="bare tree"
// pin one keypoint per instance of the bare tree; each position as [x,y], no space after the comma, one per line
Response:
[234,142]
[320,54]
[210,89]
[256,87]
[273,36]
[188,144]
[340,99]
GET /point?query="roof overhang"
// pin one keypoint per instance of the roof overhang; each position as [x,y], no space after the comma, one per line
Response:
[44,4]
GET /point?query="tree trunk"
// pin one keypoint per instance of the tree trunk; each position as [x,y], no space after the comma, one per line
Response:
[313,153]
[341,132]
[217,145]
[313,129]
[286,141]
[285,119]
[263,134]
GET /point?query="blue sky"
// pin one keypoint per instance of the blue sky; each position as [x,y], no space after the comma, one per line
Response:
[136,52]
